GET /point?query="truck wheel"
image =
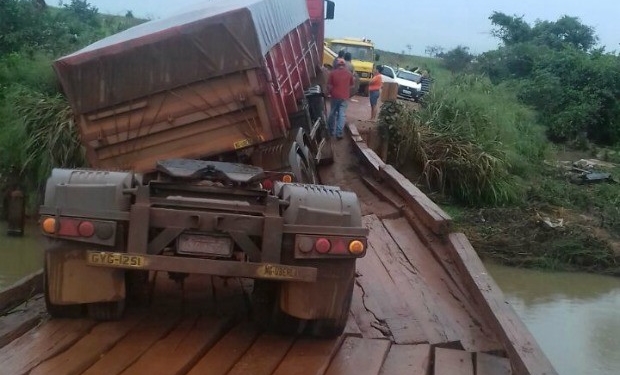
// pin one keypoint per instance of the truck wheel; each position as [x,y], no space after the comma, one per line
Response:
[328,328]
[138,287]
[57,311]
[106,310]
[266,310]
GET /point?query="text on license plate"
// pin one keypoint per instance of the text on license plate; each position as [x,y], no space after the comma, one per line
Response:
[407,92]
[275,271]
[115,259]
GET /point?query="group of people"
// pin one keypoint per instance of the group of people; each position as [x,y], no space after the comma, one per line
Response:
[342,84]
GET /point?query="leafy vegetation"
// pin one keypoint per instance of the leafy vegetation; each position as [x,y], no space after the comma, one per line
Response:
[479,140]
[36,131]
[470,140]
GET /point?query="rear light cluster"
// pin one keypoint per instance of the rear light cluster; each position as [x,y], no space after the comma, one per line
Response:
[318,246]
[70,227]
[268,183]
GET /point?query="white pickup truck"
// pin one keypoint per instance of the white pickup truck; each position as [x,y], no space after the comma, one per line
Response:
[409,83]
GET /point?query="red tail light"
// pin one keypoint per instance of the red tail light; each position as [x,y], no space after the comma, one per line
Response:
[86,229]
[267,184]
[322,245]
[310,246]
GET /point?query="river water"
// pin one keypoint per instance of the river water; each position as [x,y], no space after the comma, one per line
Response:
[19,256]
[574,317]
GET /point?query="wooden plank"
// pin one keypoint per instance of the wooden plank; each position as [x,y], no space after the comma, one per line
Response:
[53,337]
[132,346]
[88,349]
[429,212]
[369,158]
[487,364]
[453,362]
[353,130]
[409,297]
[407,359]
[21,290]
[523,350]
[21,319]
[177,353]
[366,321]
[264,356]
[352,329]
[442,301]
[309,357]
[382,296]
[223,356]
[482,336]
[384,193]
[359,356]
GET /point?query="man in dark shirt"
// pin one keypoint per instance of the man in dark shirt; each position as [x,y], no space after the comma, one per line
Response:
[339,86]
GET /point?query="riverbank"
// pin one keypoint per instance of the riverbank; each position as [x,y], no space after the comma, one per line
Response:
[557,224]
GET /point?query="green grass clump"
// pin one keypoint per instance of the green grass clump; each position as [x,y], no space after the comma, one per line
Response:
[40,136]
[469,140]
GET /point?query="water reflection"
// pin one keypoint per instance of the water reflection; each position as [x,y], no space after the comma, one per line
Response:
[575,317]
[19,256]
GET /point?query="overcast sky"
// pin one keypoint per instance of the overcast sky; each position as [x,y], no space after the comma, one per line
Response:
[393,24]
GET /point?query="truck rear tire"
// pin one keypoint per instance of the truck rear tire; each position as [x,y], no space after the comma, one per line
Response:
[106,310]
[266,311]
[329,328]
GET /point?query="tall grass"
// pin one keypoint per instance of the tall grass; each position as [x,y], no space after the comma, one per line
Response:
[470,140]
[39,135]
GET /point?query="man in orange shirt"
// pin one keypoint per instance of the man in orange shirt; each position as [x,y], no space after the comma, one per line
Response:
[374,89]
[339,84]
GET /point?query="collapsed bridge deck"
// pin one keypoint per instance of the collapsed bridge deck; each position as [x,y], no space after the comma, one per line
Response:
[422,304]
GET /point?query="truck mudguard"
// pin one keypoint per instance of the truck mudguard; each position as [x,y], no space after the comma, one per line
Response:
[88,190]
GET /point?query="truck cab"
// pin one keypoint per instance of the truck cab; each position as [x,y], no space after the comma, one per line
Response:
[363,54]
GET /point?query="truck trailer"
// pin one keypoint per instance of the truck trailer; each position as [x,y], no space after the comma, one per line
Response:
[203,132]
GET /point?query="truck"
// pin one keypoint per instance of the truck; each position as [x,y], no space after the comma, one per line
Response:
[362,57]
[203,132]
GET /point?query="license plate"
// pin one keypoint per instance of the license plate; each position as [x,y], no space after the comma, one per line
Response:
[276,271]
[115,259]
[200,244]
[407,92]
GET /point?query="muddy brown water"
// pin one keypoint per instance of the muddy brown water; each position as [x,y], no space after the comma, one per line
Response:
[575,317]
[19,256]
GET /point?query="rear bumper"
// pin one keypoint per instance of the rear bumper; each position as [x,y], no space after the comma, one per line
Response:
[408,92]
[255,270]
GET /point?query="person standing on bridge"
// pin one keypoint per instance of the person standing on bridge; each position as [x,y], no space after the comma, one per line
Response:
[340,56]
[339,85]
[374,89]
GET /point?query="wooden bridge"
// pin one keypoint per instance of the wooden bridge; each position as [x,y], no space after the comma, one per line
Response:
[423,304]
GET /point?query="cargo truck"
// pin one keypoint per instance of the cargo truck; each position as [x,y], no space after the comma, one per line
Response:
[204,131]
[363,57]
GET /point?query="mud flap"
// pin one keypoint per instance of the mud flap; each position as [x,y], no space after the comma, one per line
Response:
[324,299]
[71,281]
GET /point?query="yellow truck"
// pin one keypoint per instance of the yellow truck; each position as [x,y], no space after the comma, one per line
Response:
[362,52]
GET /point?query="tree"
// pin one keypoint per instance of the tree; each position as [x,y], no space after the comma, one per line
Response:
[565,31]
[85,12]
[434,50]
[510,29]
[457,59]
